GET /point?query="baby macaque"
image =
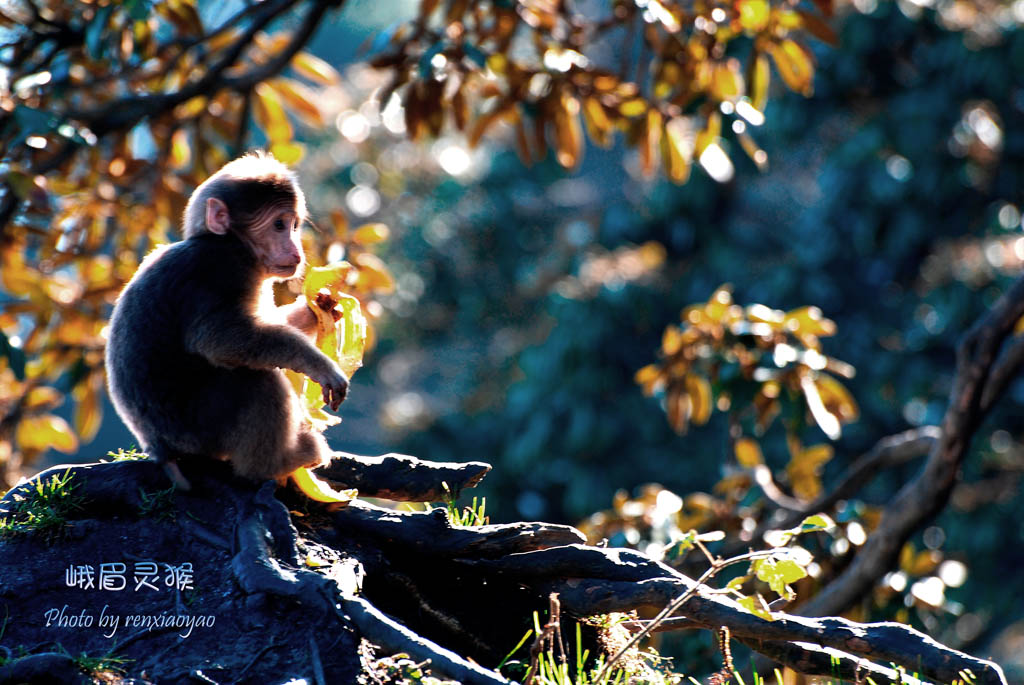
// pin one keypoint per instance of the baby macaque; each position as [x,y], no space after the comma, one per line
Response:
[197,346]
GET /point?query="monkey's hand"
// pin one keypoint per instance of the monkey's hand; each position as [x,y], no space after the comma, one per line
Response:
[333,383]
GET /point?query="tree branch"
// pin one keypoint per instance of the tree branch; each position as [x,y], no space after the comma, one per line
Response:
[975,388]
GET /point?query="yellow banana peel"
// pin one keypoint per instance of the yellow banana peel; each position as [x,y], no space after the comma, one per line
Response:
[318,490]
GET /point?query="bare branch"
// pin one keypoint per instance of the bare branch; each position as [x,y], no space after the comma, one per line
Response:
[925,496]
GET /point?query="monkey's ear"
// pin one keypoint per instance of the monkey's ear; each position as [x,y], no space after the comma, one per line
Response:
[217,218]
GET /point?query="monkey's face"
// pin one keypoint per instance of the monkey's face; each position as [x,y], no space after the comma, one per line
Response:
[275,240]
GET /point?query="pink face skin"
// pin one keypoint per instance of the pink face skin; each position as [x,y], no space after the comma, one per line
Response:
[274,237]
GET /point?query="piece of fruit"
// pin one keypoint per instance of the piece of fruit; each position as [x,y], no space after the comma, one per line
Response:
[318,490]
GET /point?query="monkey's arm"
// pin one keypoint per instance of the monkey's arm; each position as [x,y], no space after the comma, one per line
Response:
[298,315]
[234,339]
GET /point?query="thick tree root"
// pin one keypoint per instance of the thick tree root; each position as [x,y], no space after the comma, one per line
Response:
[403,478]
[432,533]
[414,557]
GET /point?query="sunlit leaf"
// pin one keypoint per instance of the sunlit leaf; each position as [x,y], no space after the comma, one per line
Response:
[679,141]
[370,234]
[804,470]
[568,133]
[678,410]
[710,134]
[759,77]
[726,81]
[756,605]
[373,274]
[45,432]
[809,321]
[43,397]
[650,143]
[181,151]
[700,398]
[836,398]
[795,65]
[649,377]
[315,69]
[270,115]
[748,453]
[754,14]
[287,152]
[816,522]
[826,420]
[634,107]
[301,101]
[88,414]
[599,126]
[779,573]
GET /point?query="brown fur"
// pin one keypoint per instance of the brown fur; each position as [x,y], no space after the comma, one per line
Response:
[193,362]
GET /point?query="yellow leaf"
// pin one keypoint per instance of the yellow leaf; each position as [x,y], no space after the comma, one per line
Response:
[795,65]
[287,152]
[710,133]
[181,152]
[223,39]
[649,378]
[373,275]
[804,470]
[679,141]
[754,14]
[726,81]
[836,398]
[677,405]
[926,561]
[599,127]
[633,108]
[748,453]
[700,398]
[651,141]
[718,304]
[753,150]
[44,432]
[568,133]
[270,115]
[671,340]
[88,415]
[369,234]
[907,557]
[300,100]
[315,69]
[756,605]
[318,490]
[43,397]
[809,321]
[759,76]
[190,108]
[1019,327]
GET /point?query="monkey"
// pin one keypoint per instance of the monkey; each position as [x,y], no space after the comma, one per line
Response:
[196,346]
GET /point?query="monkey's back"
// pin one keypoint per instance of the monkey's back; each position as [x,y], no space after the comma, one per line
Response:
[164,393]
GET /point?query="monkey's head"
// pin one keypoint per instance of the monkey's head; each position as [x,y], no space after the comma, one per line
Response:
[258,199]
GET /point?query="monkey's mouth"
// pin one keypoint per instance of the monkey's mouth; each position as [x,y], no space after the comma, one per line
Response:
[283,270]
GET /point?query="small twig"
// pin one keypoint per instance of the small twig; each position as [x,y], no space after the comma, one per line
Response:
[717,565]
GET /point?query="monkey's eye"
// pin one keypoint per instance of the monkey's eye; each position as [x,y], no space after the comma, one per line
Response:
[279,225]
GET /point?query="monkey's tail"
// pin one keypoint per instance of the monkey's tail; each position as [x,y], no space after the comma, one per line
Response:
[168,460]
